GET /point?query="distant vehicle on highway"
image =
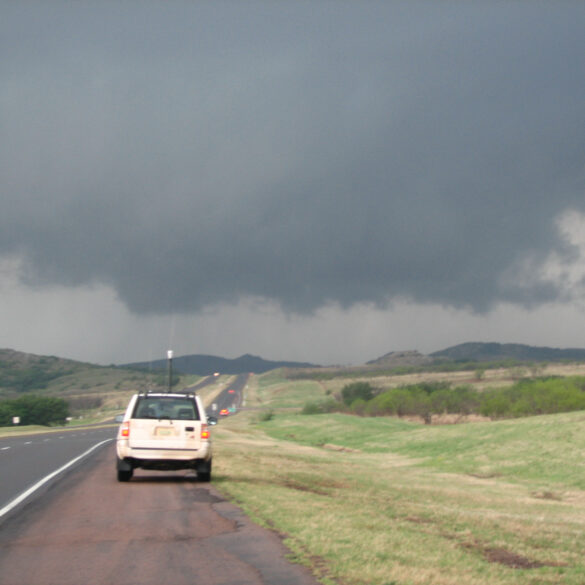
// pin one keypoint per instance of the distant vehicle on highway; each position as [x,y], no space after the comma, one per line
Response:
[164,432]
[231,391]
[224,412]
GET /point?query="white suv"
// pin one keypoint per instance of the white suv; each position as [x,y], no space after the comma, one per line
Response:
[164,432]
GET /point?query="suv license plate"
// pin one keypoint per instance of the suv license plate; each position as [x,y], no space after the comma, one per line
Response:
[163,432]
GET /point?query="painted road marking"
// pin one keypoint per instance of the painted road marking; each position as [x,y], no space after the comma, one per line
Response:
[11,505]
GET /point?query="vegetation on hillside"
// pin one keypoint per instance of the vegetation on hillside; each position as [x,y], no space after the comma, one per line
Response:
[34,410]
[84,388]
[402,370]
[25,372]
[526,397]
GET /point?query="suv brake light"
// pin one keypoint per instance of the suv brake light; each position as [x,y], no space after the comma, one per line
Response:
[205,434]
[125,430]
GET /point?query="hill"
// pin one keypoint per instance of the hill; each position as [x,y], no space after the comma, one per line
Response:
[83,385]
[401,358]
[21,372]
[205,365]
[494,352]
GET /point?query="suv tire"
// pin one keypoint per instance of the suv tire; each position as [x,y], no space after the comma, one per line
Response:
[204,471]
[125,470]
[124,475]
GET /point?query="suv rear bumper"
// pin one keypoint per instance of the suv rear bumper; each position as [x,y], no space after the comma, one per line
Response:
[131,463]
[165,458]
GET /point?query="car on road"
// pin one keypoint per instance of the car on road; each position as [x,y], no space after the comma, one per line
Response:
[224,412]
[164,431]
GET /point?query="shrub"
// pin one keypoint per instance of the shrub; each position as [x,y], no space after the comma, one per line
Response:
[34,410]
[351,392]
[320,407]
[533,397]
[458,400]
[406,401]
[358,406]
[266,415]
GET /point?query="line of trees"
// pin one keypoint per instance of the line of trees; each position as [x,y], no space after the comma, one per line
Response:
[524,398]
[34,410]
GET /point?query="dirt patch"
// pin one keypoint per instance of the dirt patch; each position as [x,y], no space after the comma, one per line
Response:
[510,559]
[502,556]
[304,488]
[322,487]
[547,495]
[455,419]
[448,419]
[418,520]
[486,475]
[339,448]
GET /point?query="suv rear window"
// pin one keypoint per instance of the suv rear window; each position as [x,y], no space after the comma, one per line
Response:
[171,407]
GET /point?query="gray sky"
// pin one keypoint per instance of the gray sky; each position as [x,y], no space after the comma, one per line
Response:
[321,181]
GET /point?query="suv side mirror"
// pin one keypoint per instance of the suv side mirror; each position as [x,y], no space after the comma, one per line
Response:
[211,420]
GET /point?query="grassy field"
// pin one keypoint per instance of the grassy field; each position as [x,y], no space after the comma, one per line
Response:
[386,501]
[389,502]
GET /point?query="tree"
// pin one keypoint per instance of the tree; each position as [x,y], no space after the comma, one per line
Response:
[34,410]
[355,390]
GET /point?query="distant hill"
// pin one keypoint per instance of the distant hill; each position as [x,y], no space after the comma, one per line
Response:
[22,372]
[401,358]
[205,365]
[493,352]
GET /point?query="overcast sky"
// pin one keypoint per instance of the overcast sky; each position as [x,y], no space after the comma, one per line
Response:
[316,181]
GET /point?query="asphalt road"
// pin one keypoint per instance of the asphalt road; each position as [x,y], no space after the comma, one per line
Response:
[26,460]
[83,526]
[231,396]
[159,528]
[205,382]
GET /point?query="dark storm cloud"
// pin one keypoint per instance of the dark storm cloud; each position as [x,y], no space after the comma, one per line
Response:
[309,153]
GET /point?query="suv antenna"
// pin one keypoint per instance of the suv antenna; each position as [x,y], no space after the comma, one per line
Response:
[170,361]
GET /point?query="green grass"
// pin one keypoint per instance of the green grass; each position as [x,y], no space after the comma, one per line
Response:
[523,449]
[275,392]
[380,501]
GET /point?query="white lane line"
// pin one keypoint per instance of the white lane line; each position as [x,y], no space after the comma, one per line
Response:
[4,448]
[47,478]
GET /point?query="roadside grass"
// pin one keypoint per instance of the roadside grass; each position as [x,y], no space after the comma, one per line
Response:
[26,430]
[532,449]
[272,391]
[15,431]
[385,501]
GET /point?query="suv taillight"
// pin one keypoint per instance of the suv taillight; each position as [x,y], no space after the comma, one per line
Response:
[125,430]
[205,434]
